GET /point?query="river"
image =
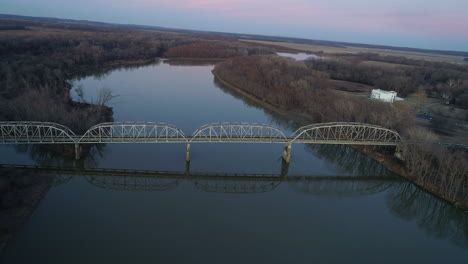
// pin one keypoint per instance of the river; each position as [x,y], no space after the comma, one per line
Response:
[334,206]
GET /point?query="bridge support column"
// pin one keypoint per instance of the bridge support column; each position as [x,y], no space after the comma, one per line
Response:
[187,153]
[77,151]
[187,168]
[284,169]
[287,152]
[399,152]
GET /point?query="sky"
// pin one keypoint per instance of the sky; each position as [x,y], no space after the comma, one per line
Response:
[432,24]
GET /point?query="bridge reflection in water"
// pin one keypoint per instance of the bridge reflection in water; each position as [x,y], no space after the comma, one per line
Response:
[406,201]
[146,180]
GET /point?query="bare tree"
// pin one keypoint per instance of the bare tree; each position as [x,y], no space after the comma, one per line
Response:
[104,97]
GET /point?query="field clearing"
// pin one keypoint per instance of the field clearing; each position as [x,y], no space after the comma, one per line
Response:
[357,94]
[351,87]
[416,101]
[384,64]
[34,32]
[448,111]
[301,47]
[353,50]
[29,32]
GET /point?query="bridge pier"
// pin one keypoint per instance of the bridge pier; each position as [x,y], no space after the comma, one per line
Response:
[187,168]
[399,152]
[187,153]
[77,151]
[284,169]
[287,152]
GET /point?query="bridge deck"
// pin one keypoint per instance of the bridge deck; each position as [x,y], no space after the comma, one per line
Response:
[189,139]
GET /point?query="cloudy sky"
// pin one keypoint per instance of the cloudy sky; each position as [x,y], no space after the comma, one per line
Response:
[431,24]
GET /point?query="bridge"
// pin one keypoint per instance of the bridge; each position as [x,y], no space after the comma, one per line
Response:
[148,180]
[24,132]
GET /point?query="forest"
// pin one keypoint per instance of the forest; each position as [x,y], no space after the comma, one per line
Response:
[37,62]
[304,87]
[290,84]
[215,50]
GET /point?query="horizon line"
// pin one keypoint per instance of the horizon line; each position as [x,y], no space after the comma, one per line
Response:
[241,33]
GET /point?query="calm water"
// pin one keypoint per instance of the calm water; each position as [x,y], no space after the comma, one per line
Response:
[345,209]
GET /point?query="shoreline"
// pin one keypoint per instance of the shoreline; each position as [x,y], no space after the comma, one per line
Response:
[386,161]
[111,65]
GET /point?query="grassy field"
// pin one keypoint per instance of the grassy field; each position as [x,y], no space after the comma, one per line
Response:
[354,50]
[416,101]
[351,87]
[383,64]
[449,111]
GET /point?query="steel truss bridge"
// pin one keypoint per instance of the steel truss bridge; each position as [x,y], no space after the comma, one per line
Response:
[13,132]
[147,180]
[149,132]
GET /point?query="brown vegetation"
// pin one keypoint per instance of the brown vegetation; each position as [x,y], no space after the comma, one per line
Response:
[43,105]
[304,88]
[215,50]
[36,65]
[37,62]
[440,169]
[394,79]
[291,84]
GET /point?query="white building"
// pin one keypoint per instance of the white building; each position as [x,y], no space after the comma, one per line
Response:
[386,96]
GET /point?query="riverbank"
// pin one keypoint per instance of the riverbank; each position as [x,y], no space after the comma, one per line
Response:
[109,66]
[297,117]
[389,161]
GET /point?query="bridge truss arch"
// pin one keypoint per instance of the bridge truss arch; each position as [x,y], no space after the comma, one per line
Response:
[346,133]
[26,132]
[133,132]
[239,133]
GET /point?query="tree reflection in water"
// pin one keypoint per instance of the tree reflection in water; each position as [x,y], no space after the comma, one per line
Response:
[437,217]
[349,160]
[20,194]
[404,199]
[63,155]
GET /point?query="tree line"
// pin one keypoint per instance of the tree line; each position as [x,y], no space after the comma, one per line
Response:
[294,85]
[215,50]
[304,87]
[37,63]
